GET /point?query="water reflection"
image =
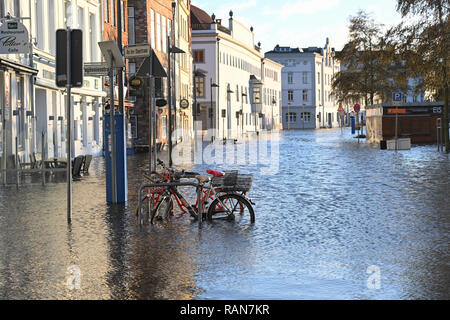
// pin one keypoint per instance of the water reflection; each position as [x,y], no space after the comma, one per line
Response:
[335,208]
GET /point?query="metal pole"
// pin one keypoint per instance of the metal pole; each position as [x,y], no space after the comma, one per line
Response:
[112,122]
[155,153]
[69,127]
[119,44]
[17,164]
[43,157]
[200,207]
[396,129]
[169,97]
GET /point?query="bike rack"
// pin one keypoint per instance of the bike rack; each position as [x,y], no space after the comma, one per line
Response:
[176,184]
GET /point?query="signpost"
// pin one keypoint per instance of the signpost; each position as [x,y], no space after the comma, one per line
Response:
[69,74]
[357,109]
[152,68]
[396,101]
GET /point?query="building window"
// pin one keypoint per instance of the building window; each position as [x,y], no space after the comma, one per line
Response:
[164,34]
[93,36]
[237,93]
[158,32]
[305,77]
[113,13]
[152,30]
[318,77]
[291,117]
[305,95]
[122,18]
[200,86]
[199,56]
[256,95]
[131,30]
[290,77]
[306,115]
[291,95]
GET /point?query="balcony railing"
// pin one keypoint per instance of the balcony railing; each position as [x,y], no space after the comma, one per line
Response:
[210,26]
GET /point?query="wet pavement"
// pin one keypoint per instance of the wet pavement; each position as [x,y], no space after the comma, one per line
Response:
[334,209]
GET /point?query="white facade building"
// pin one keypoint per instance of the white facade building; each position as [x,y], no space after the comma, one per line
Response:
[307,97]
[47,17]
[32,103]
[229,76]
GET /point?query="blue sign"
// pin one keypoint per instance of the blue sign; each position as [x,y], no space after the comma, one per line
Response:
[397,97]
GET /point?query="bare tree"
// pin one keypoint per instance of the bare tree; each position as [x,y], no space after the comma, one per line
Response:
[425,46]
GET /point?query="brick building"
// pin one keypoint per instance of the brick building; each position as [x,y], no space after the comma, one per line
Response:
[150,22]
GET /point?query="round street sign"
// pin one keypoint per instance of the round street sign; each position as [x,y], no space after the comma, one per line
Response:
[184,104]
[357,108]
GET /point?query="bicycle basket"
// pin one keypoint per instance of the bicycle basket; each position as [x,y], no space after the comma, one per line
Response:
[232,181]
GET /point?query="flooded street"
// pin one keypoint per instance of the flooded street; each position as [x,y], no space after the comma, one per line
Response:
[334,209]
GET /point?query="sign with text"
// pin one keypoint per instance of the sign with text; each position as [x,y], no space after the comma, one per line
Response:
[137,51]
[14,38]
[96,69]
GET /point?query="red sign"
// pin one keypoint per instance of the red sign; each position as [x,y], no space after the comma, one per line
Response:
[397,111]
[357,108]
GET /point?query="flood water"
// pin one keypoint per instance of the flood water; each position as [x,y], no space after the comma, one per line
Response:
[334,208]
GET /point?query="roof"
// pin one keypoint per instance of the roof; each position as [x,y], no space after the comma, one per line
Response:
[199,16]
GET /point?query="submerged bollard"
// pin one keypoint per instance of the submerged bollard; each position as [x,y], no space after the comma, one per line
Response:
[17,164]
[200,207]
[43,157]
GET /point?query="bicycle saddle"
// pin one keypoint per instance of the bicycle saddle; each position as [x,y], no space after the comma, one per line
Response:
[215,173]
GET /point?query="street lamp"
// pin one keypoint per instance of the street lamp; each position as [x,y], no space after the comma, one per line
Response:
[213,85]
[172,50]
[289,116]
[274,102]
[229,92]
[242,112]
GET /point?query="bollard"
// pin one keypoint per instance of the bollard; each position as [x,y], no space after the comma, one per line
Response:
[17,164]
[43,157]
[200,206]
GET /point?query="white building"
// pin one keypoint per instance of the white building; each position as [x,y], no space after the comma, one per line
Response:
[183,69]
[307,97]
[31,103]
[16,88]
[229,76]
[47,17]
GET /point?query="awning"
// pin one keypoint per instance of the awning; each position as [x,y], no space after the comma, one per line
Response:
[17,66]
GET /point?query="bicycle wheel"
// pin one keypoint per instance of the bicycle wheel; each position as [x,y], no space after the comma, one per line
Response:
[231,207]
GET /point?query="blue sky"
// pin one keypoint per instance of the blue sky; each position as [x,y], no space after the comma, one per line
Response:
[300,23]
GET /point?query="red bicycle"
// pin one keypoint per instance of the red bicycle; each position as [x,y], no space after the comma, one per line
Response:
[225,191]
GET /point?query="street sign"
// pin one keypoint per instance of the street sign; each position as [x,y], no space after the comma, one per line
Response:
[76,58]
[14,38]
[397,96]
[357,108]
[341,111]
[137,51]
[96,69]
[157,68]
[109,48]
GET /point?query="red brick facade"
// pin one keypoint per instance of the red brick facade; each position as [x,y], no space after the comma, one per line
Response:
[142,31]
